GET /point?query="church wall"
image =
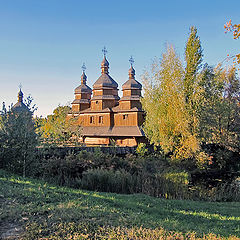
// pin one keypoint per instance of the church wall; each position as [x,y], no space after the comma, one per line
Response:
[130,92]
[109,103]
[125,119]
[136,104]
[94,120]
[125,105]
[107,91]
[75,107]
[97,141]
[127,93]
[140,118]
[130,142]
[97,105]
[97,92]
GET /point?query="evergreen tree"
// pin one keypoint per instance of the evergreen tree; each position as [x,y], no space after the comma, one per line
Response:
[18,139]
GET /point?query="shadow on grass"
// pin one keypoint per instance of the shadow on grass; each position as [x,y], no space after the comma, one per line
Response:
[42,202]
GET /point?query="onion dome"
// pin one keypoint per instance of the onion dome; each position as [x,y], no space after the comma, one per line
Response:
[20,106]
[83,78]
[83,87]
[105,80]
[131,73]
[132,83]
[105,65]
[20,96]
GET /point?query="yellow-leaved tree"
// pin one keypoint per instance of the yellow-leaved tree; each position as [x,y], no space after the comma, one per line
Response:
[235,29]
[167,120]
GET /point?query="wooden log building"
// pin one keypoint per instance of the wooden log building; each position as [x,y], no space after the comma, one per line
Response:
[104,117]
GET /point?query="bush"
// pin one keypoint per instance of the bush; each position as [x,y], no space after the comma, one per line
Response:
[151,174]
[103,180]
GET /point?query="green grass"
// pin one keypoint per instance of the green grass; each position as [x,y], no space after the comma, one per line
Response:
[50,212]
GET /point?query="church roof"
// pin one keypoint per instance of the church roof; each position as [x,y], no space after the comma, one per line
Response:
[105,81]
[104,62]
[20,106]
[83,88]
[132,84]
[78,101]
[120,131]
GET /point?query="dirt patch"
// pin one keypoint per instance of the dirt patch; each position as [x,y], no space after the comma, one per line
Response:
[10,231]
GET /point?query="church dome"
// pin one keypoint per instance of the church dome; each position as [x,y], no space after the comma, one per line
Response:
[83,87]
[132,83]
[105,81]
[104,62]
[20,106]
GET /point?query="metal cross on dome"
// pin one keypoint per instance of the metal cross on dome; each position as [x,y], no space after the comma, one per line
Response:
[84,67]
[104,51]
[131,60]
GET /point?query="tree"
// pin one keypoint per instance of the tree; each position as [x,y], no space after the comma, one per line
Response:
[193,59]
[235,28]
[60,129]
[220,110]
[18,139]
[167,121]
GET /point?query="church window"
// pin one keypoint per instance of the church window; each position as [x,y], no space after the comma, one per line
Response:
[100,119]
[125,116]
[91,119]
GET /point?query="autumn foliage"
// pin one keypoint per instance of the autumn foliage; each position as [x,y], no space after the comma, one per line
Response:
[235,29]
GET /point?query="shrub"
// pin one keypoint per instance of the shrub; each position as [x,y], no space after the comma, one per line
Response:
[103,180]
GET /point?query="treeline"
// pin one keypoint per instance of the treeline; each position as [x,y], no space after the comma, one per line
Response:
[193,110]
[192,122]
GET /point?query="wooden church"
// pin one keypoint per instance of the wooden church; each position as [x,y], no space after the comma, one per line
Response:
[104,117]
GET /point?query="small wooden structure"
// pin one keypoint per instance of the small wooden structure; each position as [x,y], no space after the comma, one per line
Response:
[105,118]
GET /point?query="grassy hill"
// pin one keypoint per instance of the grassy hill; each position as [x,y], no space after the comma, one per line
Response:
[32,209]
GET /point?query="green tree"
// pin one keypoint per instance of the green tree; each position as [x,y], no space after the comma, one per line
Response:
[60,129]
[220,110]
[193,59]
[18,139]
[167,121]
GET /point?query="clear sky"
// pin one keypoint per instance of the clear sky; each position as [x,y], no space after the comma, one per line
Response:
[43,43]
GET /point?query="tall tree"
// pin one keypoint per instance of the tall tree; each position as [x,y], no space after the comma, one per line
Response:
[220,110]
[167,121]
[18,139]
[193,59]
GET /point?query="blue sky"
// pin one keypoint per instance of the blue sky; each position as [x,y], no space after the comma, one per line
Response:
[43,43]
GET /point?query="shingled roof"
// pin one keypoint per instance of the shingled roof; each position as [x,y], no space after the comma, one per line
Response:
[132,83]
[123,131]
[105,81]
[83,88]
